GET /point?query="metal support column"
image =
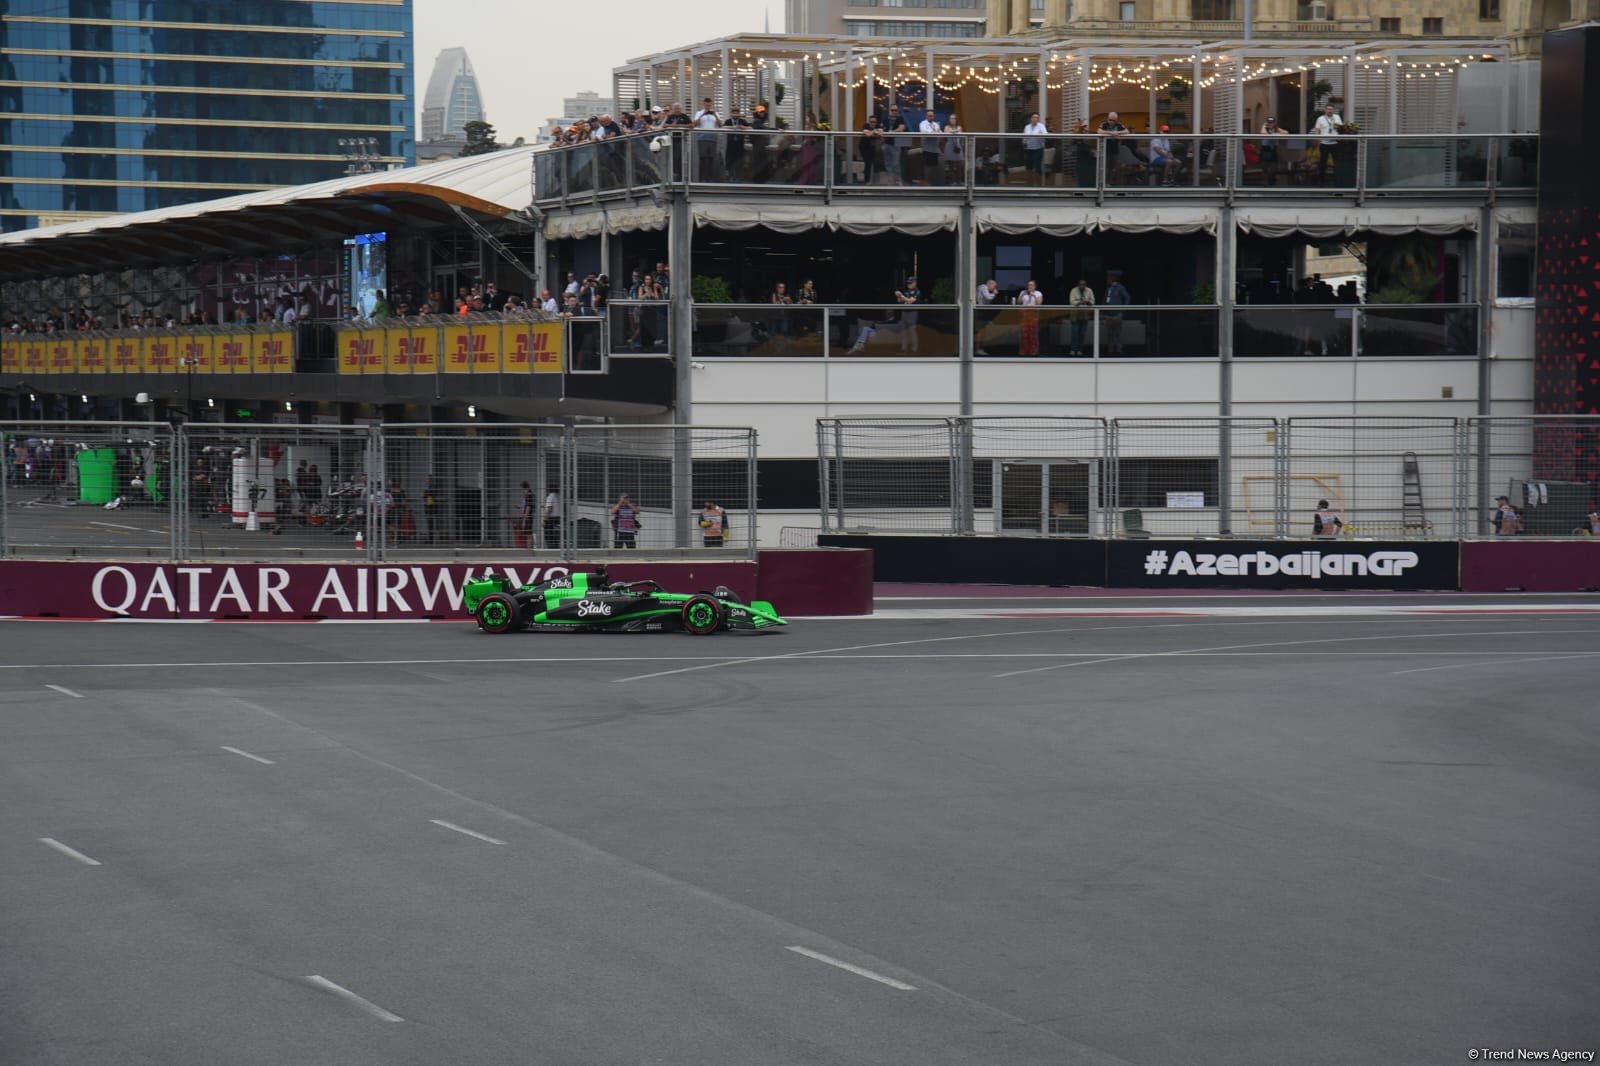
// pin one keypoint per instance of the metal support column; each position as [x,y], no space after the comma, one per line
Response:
[966,295]
[679,238]
[1227,238]
[1485,279]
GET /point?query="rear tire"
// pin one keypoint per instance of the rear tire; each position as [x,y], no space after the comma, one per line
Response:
[701,616]
[497,613]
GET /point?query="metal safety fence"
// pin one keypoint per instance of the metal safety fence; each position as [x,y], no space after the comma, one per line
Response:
[192,492]
[1385,477]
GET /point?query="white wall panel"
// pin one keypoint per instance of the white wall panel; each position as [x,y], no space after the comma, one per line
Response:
[894,381]
[1327,384]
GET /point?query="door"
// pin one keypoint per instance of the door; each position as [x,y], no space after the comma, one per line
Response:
[1049,497]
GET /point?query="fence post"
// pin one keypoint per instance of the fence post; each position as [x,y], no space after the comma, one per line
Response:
[567,491]
[1280,483]
[178,498]
[751,487]
[824,484]
[1113,464]
[838,472]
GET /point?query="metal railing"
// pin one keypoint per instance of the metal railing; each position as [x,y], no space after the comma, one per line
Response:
[1067,164]
[1258,477]
[179,492]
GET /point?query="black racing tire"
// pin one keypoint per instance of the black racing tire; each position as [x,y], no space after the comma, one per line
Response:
[497,613]
[701,616]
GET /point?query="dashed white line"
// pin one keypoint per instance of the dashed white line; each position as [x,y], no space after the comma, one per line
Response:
[1496,662]
[247,755]
[71,853]
[857,970]
[134,529]
[468,832]
[66,691]
[318,981]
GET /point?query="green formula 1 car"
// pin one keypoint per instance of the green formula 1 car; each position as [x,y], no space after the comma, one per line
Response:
[593,602]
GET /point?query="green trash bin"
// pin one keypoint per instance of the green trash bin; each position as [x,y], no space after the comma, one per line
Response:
[97,475]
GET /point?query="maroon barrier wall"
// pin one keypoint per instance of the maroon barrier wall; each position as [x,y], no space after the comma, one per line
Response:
[1530,565]
[265,592]
[812,581]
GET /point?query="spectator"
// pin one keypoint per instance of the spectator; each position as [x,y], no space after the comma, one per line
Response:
[1271,134]
[625,524]
[736,143]
[930,148]
[705,142]
[893,142]
[713,525]
[955,152]
[552,517]
[909,296]
[988,292]
[1327,127]
[1117,295]
[1326,521]
[872,143]
[1162,159]
[1029,300]
[1081,300]
[1507,521]
[1033,148]
[523,530]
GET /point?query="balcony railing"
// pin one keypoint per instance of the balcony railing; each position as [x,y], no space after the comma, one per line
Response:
[1068,165]
[1139,331]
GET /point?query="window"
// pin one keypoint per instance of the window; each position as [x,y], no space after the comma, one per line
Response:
[1435,27]
[1128,11]
[1388,25]
[1146,482]
[863,3]
[1211,10]
[1489,9]
[1515,266]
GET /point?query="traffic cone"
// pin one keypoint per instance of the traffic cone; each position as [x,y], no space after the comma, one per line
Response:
[361,541]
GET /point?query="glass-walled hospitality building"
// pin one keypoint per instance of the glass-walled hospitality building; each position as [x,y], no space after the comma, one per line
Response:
[111,106]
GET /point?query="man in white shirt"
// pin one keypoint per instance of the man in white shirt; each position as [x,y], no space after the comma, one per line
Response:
[547,303]
[707,122]
[930,148]
[1327,127]
[988,293]
[1081,300]
[1033,147]
[552,517]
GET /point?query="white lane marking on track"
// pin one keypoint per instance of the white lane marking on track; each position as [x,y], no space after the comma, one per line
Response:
[71,853]
[114,525]
[1084,662]
[859,971]
[247,755]
[1497,662]
[468,832]
[1196,652]
[66,691]
[318,981]
[637,868]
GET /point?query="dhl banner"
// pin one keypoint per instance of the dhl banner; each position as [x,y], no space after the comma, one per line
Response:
[93,355]
[197,354]
[360,351]
[411,351]
[274,352]
[472,348]
[33,357]
[10,357]
[548,347]
[233,353]
[161,355]
[61,355]
[126,355]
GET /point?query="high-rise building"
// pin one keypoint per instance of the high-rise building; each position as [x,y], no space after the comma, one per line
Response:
[109,106]
[452,99]
[887,18]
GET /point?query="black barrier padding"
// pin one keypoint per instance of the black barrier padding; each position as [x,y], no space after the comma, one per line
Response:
[979,560]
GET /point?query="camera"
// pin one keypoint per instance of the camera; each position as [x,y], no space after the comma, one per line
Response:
[660,143]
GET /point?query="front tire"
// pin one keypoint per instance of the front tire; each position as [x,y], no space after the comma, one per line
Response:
[497,613]
[701,616]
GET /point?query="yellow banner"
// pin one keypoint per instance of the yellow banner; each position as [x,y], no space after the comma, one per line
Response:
[197,354]
[411,351]
[549,347]
[33,357]
[457,352]
[126,355]
[92,355]
[360,351]
[233,354]
[161,355]
[61,355]
[274,352]
[10,357]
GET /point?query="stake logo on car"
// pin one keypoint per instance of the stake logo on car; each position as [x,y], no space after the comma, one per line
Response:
[587,608]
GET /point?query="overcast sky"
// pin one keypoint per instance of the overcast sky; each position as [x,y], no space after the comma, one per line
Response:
[530,56]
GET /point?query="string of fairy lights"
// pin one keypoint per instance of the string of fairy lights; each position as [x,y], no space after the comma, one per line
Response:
[895,67]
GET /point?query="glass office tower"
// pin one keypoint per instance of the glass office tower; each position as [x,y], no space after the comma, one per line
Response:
[109,106]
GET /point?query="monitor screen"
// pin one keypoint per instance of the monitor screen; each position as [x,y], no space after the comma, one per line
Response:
[366,271]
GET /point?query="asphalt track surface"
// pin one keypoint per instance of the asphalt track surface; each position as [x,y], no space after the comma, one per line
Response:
[1034,837]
